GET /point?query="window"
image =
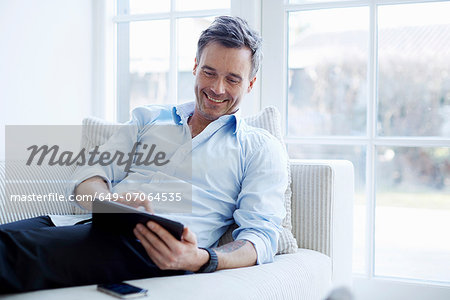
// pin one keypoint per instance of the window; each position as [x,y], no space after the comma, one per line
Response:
[368,81]
[363,80]
[156,45]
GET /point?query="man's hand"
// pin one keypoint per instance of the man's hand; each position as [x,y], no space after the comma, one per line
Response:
[91,187]
[97,185]
[134,199]
[167,252]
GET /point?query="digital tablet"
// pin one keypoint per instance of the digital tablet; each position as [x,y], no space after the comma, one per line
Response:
[121,218]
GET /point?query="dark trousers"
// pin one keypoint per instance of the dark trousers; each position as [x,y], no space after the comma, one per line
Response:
[34,254]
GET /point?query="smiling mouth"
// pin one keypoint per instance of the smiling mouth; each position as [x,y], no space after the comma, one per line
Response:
[214,100]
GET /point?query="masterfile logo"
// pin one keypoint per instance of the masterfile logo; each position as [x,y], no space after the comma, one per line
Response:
[68,158]
[156,165]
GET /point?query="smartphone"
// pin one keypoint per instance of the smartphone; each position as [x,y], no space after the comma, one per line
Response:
[122,290]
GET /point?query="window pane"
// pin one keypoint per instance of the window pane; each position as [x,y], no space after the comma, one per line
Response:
[414,70]
[327,63]
[149,7]
[357,155]
[189,31]
[202,4]
[413,213]
[149,62]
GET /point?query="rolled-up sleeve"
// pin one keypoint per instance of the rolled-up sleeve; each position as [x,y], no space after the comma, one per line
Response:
[260,205]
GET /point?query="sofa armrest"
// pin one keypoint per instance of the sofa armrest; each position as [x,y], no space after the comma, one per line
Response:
[322,211]
[18,179]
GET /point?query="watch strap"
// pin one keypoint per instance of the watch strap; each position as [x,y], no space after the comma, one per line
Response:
[211,264]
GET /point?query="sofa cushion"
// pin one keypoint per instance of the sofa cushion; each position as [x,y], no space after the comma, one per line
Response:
[97,131]
[302,275]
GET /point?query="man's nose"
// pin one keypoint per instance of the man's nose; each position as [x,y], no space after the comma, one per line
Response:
[218,86]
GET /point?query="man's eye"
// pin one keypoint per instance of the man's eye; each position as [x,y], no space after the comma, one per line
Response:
[208,73]
[233,80]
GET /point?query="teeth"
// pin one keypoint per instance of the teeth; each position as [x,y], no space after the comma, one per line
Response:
[214,100]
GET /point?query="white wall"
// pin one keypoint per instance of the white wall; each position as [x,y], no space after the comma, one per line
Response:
[45,62]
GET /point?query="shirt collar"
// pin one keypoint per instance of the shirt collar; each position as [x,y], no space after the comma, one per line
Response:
[183,111]
[238,120]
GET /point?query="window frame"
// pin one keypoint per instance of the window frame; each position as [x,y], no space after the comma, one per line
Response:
[122,22]
[275,82]
[118,109]
[270,18]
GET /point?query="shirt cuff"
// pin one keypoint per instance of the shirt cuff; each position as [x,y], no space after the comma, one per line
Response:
[263,253]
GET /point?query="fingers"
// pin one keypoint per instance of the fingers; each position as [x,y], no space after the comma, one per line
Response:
[152,238]
[151,250]
[160,253]
[135,199]
[189,236]
[148,206]
[162,234]
[165,250]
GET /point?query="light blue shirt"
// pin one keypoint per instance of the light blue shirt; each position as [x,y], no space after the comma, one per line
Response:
[238,174]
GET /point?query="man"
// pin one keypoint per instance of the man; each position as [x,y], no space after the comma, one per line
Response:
[238,175]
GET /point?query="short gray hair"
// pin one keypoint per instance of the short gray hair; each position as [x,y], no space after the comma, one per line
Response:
[232,32]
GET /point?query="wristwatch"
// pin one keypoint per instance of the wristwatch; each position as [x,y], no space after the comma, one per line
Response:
[211,264]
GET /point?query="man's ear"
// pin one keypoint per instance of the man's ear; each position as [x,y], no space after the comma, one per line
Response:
[250,86]
[194,71]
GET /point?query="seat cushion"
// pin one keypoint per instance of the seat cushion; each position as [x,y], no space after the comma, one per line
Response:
[305,274]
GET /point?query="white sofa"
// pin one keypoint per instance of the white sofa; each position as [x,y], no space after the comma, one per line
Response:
[322,193]
[322,211]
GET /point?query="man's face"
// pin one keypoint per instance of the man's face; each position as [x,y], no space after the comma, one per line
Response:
[221,80]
